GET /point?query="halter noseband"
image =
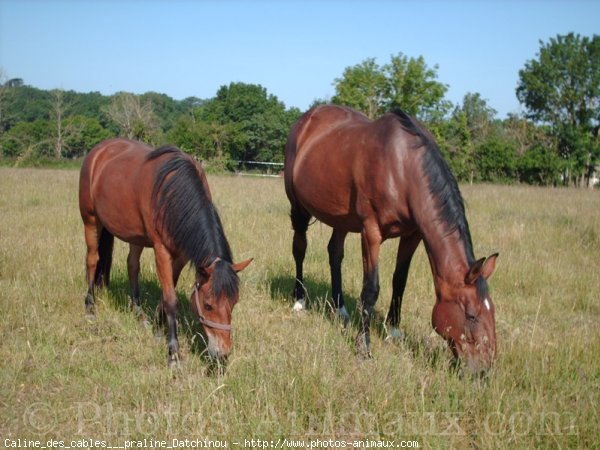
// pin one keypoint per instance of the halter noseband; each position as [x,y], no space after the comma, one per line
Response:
[203,320]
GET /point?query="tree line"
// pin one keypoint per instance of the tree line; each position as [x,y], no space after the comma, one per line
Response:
[556,141]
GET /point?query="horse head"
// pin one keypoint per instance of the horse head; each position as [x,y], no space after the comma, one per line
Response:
[214,295]
[464,316]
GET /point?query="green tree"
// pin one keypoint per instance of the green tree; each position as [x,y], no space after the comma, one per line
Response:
[28,140]
[405,83]
[457,145]
[535,145]
[479,116]
[24,104]
[363,87]
[84,133]
[246,123]
[469,127]
[413,87]
[540,164]
[562,88]
[495,161]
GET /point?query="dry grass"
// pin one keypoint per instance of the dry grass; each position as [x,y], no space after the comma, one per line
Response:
[296,376]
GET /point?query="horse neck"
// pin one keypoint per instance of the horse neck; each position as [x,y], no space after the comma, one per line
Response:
[448,253]
[208,240]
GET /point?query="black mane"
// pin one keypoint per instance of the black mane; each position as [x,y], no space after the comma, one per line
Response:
[184,210]
[442,183]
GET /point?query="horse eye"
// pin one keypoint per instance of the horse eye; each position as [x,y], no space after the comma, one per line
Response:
[207,307]
[471,317]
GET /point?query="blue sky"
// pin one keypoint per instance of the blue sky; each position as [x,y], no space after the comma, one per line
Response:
[295,49]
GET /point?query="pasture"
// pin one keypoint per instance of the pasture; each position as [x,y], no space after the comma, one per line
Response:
[296,376]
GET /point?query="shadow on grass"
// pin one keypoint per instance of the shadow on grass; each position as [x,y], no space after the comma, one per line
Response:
[150,295]
[318,299]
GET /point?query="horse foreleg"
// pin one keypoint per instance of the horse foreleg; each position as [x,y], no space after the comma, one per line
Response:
[178,265]
[168,305]
[406,250]
[336,255]
[371,243]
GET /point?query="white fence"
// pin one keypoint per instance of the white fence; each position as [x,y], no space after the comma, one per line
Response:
[260,169]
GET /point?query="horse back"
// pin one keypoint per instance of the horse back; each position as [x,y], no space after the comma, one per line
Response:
[342,167]
[114,189]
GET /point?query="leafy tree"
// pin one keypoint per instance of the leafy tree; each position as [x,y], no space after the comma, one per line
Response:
[562,88]
[246,123]
[91,104]
[540,164]
[165,109]
[413,87]
[28,139]
[457,146]
[14,82]
[84,133]
[363,87]
[24,104]
[495,161]
[479,116]
[470,125]
[405,83]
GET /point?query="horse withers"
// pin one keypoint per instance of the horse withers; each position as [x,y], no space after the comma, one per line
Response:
[160,199]
[385,179]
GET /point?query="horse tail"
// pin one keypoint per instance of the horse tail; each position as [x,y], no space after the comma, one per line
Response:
[291,147]
[105,250]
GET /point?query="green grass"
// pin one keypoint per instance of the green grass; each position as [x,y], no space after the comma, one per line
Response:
[297,376]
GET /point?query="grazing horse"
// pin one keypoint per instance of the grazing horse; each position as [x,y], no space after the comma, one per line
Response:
[384,179]
[160,199]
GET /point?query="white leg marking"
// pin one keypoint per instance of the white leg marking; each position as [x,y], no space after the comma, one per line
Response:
[394,334]
[299,305]
[343,314]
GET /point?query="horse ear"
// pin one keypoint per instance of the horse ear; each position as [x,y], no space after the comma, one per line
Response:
[238,267]
[489,266]
[474,272]
[483,267]
[210,269]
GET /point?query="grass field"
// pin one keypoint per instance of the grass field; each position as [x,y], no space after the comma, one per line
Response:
[296,376]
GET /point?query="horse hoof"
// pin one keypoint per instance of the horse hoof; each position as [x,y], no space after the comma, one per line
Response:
[394,335]
[90,312]
[173,362]
[343,316]
[142,317]
[363,348]
[299,305]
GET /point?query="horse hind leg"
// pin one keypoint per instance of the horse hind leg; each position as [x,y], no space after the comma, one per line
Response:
[133,272]
[105,250]
[99,244]
[91,263]
[300,219]
[335,248]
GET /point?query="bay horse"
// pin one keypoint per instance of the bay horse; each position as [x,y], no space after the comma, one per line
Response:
[384,179]
[159,198]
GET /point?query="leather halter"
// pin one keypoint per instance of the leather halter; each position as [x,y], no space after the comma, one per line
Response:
[203,320]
